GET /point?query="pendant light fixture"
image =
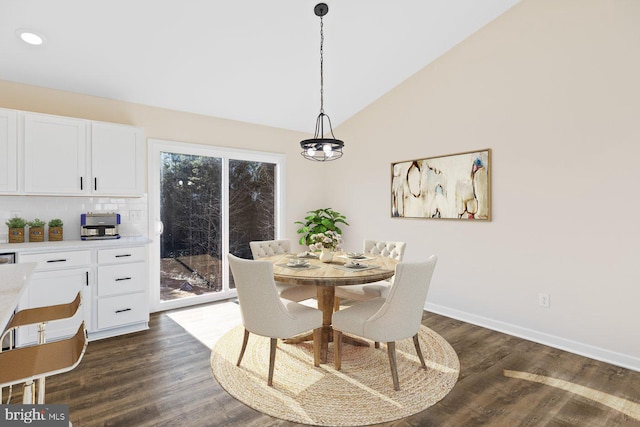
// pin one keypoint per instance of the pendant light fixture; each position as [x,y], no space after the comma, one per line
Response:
[319,148]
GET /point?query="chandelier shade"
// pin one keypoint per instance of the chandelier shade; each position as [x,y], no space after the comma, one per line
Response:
[319,148]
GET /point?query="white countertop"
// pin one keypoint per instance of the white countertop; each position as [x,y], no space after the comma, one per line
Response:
[13,282]
[67,245]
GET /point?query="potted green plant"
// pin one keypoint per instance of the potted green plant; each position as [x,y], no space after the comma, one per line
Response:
[36,230]
[321,226]
[55,230]
[16,230]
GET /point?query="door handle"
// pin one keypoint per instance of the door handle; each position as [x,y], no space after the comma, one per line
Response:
[159,227]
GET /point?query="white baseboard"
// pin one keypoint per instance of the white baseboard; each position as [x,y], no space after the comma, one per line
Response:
[597,353]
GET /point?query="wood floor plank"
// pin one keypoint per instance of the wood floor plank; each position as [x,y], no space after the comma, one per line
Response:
[162,377]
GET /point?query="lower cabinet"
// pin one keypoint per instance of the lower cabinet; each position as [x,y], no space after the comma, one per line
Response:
[51,288]
[122,283]
[113,284]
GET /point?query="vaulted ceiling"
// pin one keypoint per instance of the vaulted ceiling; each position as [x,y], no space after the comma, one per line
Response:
[250,60]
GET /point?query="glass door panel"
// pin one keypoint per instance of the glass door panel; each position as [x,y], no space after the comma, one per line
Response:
[191,213]
[252,205]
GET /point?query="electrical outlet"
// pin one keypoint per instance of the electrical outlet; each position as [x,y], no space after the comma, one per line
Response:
[135,216]
[543,300]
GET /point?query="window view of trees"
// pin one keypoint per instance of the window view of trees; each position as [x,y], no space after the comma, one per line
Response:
[191,246]
[252,204]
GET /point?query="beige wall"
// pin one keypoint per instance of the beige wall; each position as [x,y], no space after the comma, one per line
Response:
[165,124]
[552,88]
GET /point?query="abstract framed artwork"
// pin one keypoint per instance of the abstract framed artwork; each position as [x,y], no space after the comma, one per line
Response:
[455,186]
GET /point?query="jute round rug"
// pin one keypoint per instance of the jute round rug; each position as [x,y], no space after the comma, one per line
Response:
[361,393]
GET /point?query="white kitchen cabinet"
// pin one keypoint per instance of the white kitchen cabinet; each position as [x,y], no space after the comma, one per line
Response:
[8,151]
[113,282]
[70,157]
[122,300]
[117,159]
[58,277]
[55,155]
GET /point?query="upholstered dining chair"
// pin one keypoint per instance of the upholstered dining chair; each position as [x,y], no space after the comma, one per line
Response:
[390,319]
[394,250]
[265,313]
[265,248]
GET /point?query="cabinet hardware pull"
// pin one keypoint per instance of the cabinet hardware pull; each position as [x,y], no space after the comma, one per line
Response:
[81,184]
[87,277]
[56,260]
[123,310]
[120,256]
[95,184]
[123,278]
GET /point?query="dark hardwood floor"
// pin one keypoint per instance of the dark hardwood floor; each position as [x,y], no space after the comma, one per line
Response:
[162,377]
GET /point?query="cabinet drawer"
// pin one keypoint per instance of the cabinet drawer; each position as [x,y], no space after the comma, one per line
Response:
[120,279]
[122,255]
[121,310]
[56,260]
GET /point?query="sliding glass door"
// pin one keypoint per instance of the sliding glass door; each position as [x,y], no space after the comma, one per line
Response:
[207,202]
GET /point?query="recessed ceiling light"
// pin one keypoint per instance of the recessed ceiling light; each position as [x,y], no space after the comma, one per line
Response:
[30,37]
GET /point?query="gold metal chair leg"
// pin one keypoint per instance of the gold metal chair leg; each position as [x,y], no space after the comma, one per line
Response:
[272,360]
[28,395]
[244,346]
[40,390]
[391,349]
[416,343]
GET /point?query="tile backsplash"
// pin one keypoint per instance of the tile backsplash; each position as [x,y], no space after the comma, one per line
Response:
[133,212]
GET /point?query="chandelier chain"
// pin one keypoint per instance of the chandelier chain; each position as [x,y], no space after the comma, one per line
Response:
[321,66]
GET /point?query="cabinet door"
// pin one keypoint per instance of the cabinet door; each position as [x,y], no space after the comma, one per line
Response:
[54,155]
[116,159]
[51,288]
[8,151]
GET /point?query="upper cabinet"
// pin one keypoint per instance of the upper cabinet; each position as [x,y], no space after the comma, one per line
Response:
[8,151]
[74,157]
[116,159]
[55,155]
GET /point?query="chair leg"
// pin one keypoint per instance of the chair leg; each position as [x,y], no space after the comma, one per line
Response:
[377,344]
[391,349]
[317,336]
[416,343]
[28,395]
[244,346]
[40,390]
[336,304]
[272,360]
[40,381]
[337,349]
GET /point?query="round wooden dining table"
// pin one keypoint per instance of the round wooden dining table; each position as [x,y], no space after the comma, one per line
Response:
[325,277]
